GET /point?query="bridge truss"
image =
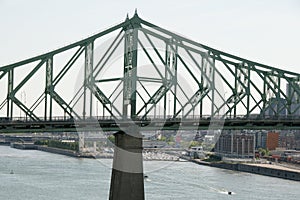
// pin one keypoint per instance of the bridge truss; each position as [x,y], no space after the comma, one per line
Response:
[137,70]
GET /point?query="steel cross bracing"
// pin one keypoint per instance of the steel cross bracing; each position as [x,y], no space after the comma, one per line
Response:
[161,76]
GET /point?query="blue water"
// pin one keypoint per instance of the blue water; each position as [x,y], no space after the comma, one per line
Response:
[40,175]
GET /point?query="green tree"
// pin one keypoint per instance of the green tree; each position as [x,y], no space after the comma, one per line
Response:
[112,139]
[263,152]
[194,144]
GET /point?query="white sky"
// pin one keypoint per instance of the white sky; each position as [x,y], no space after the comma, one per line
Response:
[264,31]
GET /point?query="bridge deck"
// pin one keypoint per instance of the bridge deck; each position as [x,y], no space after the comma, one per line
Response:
[69,125]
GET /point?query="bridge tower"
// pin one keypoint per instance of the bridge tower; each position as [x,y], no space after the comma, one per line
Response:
[127,180]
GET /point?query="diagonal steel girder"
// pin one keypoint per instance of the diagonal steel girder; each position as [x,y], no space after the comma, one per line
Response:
[17,102]
[239,68]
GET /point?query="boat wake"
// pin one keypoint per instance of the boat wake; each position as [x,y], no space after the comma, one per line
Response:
[221,191]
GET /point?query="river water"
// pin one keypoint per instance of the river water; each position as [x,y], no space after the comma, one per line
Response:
[40,175]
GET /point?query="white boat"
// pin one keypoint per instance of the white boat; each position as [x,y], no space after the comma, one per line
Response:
[197,152]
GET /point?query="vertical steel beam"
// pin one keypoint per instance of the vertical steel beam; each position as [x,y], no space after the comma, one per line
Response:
[91,70]
[49,87]
[165,106]
[235,91]
[264,96]
[290,96]
[127,180]
[134,73]
[213,86]
[9,93]
[174,71]
[170,69]
[127,87]
[202,83]
[248,90]
[170,74]
[130,72]
[88,78]
[278,97]
[165,83]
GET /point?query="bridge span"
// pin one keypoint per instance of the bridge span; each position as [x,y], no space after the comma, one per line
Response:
[60,124]
[137,76]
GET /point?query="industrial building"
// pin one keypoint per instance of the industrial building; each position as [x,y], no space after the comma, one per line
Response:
[232,144]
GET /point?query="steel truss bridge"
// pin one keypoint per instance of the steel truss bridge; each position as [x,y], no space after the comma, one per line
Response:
[137,76]
[136,71]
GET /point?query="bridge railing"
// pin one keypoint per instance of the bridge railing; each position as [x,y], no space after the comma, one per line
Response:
[154,118]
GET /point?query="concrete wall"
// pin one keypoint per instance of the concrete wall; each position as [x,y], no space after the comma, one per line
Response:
[58,151]
[23,146]
[269,172]
[259,170]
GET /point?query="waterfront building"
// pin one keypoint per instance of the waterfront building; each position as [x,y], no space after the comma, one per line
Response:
[272,140]
[232,144]
[267,140]
[287,140]
[261,139]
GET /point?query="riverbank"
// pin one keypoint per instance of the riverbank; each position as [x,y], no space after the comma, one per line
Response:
[58,151]
[147,154]
[30,146]
[2,143]
[38,175]
[266,169]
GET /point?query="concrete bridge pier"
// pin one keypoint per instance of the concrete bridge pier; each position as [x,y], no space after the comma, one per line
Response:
[127,180]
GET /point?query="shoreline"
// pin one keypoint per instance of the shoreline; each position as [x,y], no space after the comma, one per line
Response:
[147,156]
[255,168]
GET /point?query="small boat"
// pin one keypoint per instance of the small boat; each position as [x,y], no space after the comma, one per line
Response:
[11,171]
[196,152]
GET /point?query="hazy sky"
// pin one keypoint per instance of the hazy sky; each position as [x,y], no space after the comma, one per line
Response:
[264,31]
